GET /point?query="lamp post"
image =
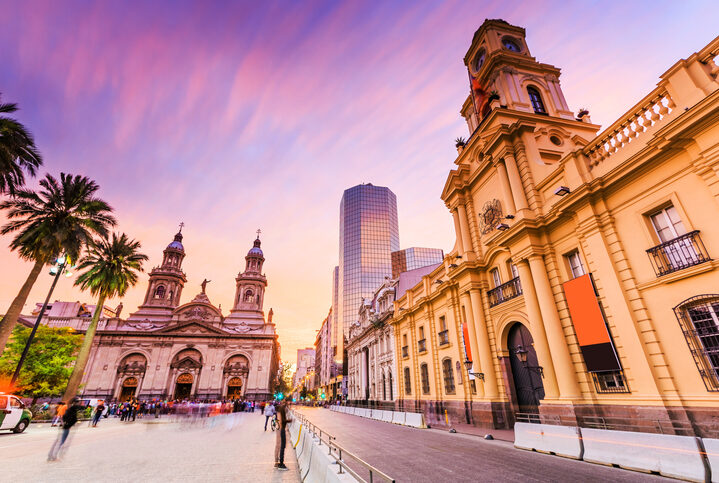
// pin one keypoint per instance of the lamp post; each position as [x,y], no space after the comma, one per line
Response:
[521,353]
[468,364]
[61,263]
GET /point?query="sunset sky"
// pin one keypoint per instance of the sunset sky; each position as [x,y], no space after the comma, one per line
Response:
[234,116]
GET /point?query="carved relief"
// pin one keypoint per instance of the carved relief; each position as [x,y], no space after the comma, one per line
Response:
[196,313]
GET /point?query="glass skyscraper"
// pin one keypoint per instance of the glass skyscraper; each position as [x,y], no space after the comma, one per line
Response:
[369,233]
[413,258]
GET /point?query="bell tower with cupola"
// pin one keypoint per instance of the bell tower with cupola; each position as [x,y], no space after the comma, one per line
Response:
[250,289]
[503,73]
[166,283]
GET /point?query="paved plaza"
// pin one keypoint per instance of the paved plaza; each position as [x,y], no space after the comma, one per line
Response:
[425,455]
[225,448]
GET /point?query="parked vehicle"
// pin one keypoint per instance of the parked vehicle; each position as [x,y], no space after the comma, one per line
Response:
[13,414]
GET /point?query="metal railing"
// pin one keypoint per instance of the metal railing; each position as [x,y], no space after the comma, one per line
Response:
[339,453]
[504,292]
[683,251]
[443,337]
[421,345]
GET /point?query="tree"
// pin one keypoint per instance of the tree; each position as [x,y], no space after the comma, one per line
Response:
[48,362]
[111,266]
[18,153]
[61,217]
[284,383]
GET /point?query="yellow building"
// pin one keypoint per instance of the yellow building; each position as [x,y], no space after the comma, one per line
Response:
[583,269]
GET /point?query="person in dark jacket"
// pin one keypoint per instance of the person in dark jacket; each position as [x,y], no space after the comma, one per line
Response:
[98,413]
[68,421]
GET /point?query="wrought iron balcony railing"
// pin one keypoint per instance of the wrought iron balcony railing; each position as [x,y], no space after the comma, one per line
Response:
[681,252]
[422,345]
[504,292]
[405,351]
[443,337]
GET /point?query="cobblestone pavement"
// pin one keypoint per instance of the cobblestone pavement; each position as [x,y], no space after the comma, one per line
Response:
[226,448]
[422,455]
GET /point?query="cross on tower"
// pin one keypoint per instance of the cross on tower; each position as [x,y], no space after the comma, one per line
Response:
[182,223]
[258,232]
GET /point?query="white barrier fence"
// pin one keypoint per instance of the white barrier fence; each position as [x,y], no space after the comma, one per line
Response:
[415,420]
[685,457]
[321,459]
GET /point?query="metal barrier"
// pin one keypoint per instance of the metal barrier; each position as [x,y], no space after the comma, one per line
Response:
[339,453]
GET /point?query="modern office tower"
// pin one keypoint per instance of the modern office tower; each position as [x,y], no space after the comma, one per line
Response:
[415,257]
[369,233]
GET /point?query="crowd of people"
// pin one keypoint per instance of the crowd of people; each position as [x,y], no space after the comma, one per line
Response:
[67,415]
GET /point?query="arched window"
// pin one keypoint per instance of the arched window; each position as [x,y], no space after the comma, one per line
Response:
[407,382]
[536,99]
[424,376]
[384,387]
[160,292]
[248,296]
[448,374]
[391,388]
[699,320]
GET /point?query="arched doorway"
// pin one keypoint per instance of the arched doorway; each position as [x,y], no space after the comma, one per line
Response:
[183,385]
[129,386]
[234,388]
[526,373]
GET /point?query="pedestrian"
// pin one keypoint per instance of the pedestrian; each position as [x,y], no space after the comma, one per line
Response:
[269,412]
[59,412]
[69,419]
[283,419]
[99,409]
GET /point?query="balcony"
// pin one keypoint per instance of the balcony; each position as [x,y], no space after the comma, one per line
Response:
[682,252]
[504,292]
[443,337]
[405,352]
[422,345]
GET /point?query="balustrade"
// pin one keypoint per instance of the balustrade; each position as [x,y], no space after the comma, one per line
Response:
[504,292]
[683,251]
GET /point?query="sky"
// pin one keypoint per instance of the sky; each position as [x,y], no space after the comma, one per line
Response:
[234,116]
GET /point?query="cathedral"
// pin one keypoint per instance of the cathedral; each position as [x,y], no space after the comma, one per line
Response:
[179,351]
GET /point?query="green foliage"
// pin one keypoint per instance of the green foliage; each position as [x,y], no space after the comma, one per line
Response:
[48,363]
[18,153]
[284,385]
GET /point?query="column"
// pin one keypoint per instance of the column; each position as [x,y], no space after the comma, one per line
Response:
[458,232]
[566,375]
[506,189]
[476,366]
[485,352]
[464,228]
[541,346]
[515,181]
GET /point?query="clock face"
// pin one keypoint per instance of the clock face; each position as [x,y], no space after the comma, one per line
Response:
[510,45]
[490,217]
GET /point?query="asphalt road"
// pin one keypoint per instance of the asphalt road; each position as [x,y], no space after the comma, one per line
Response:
[233,448]
[424,455]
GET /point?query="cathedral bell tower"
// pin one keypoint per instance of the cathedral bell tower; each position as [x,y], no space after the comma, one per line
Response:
[503,73]
[250,289]
[166,282]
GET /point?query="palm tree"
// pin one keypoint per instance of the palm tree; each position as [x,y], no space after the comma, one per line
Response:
[61,217]
[17,152]
[111,268]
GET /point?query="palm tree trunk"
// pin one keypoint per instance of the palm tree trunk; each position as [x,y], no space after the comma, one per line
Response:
[7,324]
[79,370]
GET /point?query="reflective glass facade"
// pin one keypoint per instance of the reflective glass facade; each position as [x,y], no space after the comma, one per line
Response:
[369,233]
[415,257]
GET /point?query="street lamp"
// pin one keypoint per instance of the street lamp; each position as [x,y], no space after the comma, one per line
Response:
[468,365]
[62,264]
[521,353]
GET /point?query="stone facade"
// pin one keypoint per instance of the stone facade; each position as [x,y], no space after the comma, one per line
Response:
[168,350]
[582,284]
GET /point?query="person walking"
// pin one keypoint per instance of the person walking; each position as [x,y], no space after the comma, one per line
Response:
[283,419]
[59,412]
[269,412]
[69,419]
[99,409]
